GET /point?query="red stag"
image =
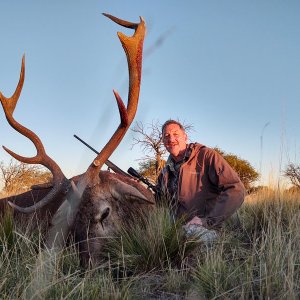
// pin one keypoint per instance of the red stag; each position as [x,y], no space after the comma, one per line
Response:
[97,202]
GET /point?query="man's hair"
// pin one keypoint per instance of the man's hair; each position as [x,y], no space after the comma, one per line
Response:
[168,122]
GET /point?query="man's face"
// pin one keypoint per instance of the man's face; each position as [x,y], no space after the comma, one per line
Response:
[175,140]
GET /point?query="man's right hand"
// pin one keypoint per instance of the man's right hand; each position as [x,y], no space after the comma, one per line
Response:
[207,236]
[195,221]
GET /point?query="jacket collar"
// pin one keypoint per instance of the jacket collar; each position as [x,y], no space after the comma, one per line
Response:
[171,164]
[191,151]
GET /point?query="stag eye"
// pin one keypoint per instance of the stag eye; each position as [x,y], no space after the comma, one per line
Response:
[104,215]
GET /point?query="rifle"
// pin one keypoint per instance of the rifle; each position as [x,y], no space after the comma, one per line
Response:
[132,172]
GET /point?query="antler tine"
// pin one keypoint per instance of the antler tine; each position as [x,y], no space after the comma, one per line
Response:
[59,179]
[133,47]
[9,104]
[121,22]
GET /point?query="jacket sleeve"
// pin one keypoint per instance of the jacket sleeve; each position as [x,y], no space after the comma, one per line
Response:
[230,189]
[160,188]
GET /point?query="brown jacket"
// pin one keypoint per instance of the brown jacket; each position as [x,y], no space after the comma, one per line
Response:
[207,186]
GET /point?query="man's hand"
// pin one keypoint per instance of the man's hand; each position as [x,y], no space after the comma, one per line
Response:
[195,221]
[195,228]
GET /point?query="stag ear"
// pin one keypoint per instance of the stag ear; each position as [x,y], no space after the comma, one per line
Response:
[121,190]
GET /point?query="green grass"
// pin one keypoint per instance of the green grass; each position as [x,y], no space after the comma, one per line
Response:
[255,258]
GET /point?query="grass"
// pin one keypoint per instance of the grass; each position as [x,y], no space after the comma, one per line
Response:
[256,257]
[156,242]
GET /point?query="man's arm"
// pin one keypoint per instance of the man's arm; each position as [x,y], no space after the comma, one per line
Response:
[230,187]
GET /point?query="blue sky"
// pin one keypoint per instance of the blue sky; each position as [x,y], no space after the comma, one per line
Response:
[227,67]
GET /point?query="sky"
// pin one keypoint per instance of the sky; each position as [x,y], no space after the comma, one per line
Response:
[229,68]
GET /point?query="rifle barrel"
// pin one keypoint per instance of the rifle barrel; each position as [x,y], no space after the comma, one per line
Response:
[110,164]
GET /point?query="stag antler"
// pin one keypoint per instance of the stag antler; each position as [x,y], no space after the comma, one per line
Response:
[133,47]
[61,183]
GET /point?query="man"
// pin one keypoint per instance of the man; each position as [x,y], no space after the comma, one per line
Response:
[197,181]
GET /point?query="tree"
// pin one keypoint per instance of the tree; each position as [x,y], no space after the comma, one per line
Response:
[147,168]
[246,172]
[19,177]
[292,172]
[150,140]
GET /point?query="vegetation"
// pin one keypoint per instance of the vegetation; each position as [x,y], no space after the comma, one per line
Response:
[256,257]
[148,169]
[150,140]
[18,177]
[292,172]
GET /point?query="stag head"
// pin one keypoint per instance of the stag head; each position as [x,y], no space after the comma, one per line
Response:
[97,202]
[113,202]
